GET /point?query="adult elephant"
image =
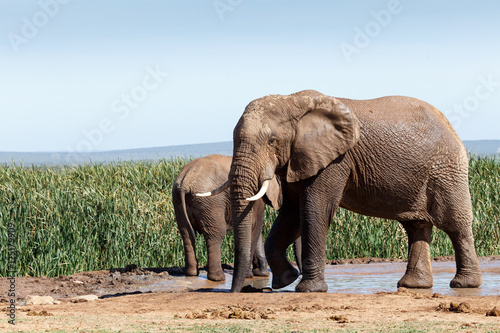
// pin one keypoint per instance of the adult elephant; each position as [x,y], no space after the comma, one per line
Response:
[211,216]
[391,157]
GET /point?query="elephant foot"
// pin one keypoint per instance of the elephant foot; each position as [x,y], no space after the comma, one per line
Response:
[249,274]
[260,272]
[216,276]
[416,279]
[191,271]
[281,280]
[466,280]
[311,286]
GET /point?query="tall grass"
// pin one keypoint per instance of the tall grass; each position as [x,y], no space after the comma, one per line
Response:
[93,217]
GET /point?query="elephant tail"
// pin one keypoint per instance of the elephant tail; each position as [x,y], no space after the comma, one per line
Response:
[182,217]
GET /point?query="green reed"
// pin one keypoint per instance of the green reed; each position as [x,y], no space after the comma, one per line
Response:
[91,217]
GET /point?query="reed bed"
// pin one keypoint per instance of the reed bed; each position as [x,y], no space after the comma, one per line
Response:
[92,217]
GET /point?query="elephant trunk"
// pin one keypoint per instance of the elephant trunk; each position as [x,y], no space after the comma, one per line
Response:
[242,229]
[244,184]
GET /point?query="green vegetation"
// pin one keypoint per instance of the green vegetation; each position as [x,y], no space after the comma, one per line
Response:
[92,217]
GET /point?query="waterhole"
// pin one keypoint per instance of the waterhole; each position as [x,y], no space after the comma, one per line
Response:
[357,279]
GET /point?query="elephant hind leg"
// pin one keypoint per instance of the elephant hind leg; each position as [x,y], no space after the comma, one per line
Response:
[419,270]
[468,273]
[191,263]
[459,229]
[259,259]
[214,265]
[453,215]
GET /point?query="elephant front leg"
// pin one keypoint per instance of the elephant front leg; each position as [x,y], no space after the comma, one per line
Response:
[321,198]
[284,231]
[419,270]
[313,239]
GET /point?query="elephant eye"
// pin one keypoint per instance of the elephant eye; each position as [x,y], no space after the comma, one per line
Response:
[272,142]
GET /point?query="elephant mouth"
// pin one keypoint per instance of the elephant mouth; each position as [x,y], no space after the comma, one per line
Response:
[262,191]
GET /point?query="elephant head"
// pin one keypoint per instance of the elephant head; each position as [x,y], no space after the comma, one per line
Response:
[294,136]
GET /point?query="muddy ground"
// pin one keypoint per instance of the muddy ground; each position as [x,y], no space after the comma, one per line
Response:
[135,299]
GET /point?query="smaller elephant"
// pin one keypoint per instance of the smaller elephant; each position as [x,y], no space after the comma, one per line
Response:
[211,215]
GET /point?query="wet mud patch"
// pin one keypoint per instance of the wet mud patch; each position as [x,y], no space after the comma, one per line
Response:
[341,278]
[104,283]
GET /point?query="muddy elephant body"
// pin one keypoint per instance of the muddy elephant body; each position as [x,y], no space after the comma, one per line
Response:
[211,216]
[392,157]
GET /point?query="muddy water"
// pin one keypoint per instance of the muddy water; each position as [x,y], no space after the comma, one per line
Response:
[364,278]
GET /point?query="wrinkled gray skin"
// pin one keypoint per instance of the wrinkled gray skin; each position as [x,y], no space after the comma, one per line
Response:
[211,216]
[391,157]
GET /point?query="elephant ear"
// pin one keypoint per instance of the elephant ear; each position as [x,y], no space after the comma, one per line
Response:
[326,130]
[273,195]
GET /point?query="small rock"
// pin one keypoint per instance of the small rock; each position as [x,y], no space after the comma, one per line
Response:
[85,298]
[493,313]
[455,307]
[39,300]
[443,307]
[463,308]
[77,282]
[339,319]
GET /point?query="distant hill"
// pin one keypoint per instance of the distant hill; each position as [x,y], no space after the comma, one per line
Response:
[483,147]
[479,147]
[143,154]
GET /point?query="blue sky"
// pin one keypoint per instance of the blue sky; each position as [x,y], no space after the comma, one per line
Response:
[86,75]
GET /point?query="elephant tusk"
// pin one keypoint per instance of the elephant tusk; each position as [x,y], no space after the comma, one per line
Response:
[218,190]
[262,191]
